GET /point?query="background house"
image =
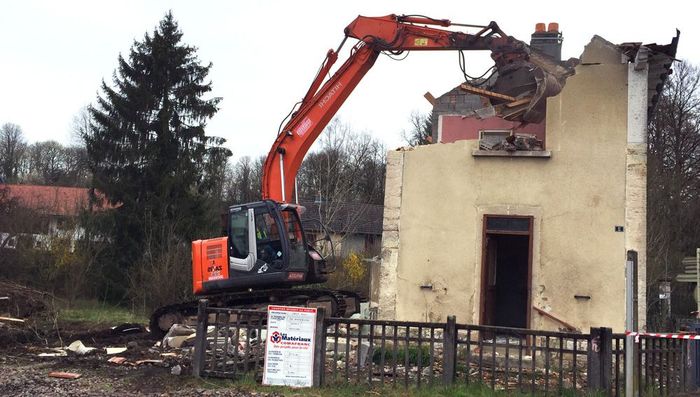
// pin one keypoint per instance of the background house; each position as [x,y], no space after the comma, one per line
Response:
[44,212]
[498,236]
[354,227]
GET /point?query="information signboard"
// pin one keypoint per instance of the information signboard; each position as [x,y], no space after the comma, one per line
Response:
[289,349]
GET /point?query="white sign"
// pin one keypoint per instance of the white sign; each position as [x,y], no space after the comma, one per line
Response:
[289,349]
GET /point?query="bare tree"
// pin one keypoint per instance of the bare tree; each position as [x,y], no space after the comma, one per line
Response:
[12,151]
[243,181]
[673,177]
[421,129]
[347,167]
[340,181]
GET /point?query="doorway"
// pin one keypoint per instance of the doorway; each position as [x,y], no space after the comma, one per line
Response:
[506,271]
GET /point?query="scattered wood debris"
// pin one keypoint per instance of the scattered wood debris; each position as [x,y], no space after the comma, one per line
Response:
[64,375]
[117,360]
[114,350]
[486,93]
[11,319]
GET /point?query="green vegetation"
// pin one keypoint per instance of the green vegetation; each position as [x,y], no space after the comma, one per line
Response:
[97,313]
[415,355]
[461,390]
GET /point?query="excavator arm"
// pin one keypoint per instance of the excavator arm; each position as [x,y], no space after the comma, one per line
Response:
[393,34]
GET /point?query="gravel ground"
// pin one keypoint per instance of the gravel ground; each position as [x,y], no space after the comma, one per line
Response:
[24,373]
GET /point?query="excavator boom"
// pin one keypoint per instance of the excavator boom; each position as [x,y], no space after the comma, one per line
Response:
[391,33]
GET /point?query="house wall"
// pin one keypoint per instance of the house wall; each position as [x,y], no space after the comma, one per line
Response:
[455,127]
[437,196]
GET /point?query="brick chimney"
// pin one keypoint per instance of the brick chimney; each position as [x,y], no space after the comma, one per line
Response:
[547,41]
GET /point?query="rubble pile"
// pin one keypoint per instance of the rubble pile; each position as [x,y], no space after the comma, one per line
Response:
[20,302]
[514,143]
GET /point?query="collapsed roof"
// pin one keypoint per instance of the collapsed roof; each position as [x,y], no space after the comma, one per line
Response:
[519,94]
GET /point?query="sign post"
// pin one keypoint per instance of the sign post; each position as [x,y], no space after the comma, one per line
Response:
[289,349]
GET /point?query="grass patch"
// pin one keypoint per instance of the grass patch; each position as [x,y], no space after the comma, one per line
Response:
[97,313]
[461,390]
[414,355]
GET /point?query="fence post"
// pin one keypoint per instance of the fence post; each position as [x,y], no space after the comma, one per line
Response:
[600,361]
[449,350]
[200,341]
[320,348]
[631,348]
[690,362]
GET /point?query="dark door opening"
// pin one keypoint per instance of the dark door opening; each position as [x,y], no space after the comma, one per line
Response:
[506,272]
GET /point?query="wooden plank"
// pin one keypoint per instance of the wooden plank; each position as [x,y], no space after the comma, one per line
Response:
[64,375]
[14,320]
[519,102]
[552,317]
[430,98]
[486,93]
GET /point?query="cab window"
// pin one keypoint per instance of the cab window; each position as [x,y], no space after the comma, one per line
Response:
[267,238]
[295,235]
[238,234]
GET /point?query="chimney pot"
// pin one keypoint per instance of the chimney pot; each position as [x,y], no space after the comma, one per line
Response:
[547,41]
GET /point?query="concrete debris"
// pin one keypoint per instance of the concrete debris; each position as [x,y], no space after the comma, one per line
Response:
[178,335]
[179,329]
[57,353]
[115,350]
[64,375]
[485,113]
[176,370]
[514,143]
[79,348]
[148,361]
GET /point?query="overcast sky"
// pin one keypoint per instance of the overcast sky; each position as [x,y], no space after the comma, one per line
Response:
[265,53]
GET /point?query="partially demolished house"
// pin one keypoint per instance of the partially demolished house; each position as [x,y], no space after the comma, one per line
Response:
[526,224]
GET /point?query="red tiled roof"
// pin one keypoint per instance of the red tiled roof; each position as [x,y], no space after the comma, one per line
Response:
[52,200]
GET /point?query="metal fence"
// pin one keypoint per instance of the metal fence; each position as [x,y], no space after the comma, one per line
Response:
[520,359]
[230,343]
[375,352]
[661,364]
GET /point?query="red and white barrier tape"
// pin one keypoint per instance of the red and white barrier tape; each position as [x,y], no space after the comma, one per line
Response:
[660,335]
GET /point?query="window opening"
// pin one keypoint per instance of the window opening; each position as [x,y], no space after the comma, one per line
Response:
[238,231]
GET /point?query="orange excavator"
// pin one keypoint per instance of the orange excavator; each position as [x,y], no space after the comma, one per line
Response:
[266,251]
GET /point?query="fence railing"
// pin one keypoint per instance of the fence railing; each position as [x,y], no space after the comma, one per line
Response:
[231,342]
[520,359]
[383,352]
[661,364]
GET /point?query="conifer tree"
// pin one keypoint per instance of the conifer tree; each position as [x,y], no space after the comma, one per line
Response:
[147,147]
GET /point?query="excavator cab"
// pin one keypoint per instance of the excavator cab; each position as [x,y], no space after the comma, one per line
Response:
[265,247]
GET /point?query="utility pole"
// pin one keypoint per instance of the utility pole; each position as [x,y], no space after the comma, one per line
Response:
[631,386]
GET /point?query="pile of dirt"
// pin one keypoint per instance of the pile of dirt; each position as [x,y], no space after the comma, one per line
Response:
[26,314]
[18,301]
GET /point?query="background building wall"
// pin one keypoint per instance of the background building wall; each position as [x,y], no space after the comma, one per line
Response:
[436,196]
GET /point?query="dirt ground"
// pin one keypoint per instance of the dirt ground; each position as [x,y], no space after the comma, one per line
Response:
[24,373]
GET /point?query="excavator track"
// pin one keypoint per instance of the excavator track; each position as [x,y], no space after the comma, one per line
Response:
[337,304]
